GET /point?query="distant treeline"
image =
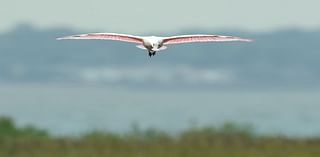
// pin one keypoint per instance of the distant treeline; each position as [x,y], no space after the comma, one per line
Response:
[286,58]
[229,140]
[8,129]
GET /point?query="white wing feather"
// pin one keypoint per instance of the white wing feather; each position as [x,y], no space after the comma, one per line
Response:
[106,36]
[200,38]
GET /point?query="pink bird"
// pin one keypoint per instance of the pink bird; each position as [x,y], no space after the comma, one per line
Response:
[154,43]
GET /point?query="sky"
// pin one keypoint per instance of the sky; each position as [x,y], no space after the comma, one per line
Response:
[140,16]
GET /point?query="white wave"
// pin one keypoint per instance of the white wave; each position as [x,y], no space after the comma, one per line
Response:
[156,74]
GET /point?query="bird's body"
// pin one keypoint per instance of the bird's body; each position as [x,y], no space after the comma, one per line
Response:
[152,44]
[155,43]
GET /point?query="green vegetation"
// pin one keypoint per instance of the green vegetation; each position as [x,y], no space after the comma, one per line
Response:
[229,140]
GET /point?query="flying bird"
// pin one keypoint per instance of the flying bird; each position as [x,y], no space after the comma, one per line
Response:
[154,43]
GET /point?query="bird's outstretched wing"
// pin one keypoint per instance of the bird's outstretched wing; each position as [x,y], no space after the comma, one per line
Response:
[200,38]
[106,36]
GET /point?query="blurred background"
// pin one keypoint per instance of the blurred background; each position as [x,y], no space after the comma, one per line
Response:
[69,88]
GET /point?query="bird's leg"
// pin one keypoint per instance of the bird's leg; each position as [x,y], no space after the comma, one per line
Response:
[151,53]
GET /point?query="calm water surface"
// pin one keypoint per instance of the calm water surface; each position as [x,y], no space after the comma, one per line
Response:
[73,109]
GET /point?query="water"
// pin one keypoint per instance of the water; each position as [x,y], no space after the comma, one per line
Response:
[70,110]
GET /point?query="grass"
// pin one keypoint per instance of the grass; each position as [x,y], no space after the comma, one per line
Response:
[229,140]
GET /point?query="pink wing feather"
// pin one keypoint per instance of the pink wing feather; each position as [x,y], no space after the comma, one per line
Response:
[200,38]
[106,36]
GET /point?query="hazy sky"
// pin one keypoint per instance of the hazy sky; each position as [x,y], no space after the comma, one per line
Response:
[139,16]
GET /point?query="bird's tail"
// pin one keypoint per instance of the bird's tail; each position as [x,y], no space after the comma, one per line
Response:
[163,48]
[141,47]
